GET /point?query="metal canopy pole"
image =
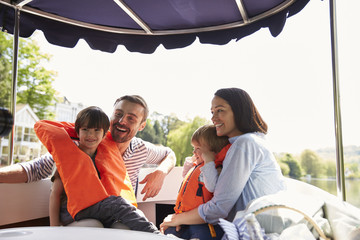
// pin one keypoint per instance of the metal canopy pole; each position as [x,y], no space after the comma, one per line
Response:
[14,82]
[340,178]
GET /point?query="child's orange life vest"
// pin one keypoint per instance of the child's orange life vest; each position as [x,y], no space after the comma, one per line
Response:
[78,174]
[193,192]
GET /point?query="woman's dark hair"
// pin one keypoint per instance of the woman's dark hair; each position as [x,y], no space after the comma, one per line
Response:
[247,117]
[92,117]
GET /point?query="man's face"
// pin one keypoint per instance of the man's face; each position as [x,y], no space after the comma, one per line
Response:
[126,121]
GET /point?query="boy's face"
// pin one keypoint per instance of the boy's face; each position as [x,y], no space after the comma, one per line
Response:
[90,138]
[199,149]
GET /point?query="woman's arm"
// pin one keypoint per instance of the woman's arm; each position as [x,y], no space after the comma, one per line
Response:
[54,205]
[237,167]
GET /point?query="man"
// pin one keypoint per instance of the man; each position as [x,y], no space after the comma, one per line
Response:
[129,117]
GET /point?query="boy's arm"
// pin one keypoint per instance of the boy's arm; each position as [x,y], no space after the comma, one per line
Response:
[210,176]
[55,202]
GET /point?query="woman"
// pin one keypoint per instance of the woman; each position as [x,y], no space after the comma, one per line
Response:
[249,169]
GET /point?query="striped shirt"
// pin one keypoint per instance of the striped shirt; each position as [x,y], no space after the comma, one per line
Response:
[136,155]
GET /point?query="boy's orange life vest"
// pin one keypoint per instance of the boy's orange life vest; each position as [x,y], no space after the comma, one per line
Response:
[78,174]
[193,192]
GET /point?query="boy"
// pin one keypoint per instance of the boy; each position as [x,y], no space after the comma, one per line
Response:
[88,174]
[195,190]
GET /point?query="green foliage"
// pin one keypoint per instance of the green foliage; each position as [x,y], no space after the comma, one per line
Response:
[330,168]
[157,128]
[148,133]
[311,163]
[34,82]
[294,166]
[352,170]
[5,70]
[168,123]
[179,139]
[285,169]
[172,132]
[152,133]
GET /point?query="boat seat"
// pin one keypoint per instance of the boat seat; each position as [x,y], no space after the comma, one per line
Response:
[96,223]
[303,206]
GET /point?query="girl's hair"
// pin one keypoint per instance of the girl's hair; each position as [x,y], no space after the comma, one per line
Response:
[247,117]
[138,100]
[92,117]
[207,134]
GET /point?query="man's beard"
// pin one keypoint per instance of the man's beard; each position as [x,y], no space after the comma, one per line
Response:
[120,136]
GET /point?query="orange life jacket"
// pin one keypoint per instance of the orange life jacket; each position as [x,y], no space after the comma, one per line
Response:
[219,158]
[193,192]
[78,174]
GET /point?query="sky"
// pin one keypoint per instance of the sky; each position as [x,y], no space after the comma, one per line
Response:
[288,77]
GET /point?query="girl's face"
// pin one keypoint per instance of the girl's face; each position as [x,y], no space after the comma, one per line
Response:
[223,118]
[90,138]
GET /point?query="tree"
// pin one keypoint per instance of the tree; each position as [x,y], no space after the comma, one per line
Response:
[179,139]
[285,169]
[330,168]
[34,82]
[157,128]
[294,166]
[169,123]
[311,163]
[148,133]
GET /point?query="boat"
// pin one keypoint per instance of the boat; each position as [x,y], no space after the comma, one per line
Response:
[24,212]
[140,27]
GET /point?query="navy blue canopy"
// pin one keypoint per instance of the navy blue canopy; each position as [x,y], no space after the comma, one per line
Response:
[142,25]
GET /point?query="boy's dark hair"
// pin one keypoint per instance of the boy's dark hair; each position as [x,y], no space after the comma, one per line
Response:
[92,117]
[136,99]
[207,135]
[247,117]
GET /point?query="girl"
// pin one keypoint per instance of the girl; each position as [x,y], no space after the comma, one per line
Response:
[195,189]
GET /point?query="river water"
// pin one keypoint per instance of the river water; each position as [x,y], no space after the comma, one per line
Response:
[352,187]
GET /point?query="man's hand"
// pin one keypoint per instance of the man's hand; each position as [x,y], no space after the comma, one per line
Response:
[154,182]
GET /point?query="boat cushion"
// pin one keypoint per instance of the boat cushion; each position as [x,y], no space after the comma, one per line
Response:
[344,220]
[275,220]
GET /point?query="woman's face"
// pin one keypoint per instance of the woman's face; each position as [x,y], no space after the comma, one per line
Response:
[223,118]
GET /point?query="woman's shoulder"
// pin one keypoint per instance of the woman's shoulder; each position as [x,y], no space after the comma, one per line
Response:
[252,140]
[254,137]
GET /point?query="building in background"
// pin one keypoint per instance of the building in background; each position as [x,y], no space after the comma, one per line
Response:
[66,111]
[26,144]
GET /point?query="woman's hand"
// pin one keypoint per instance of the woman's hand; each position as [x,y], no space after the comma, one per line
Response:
[170,221]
